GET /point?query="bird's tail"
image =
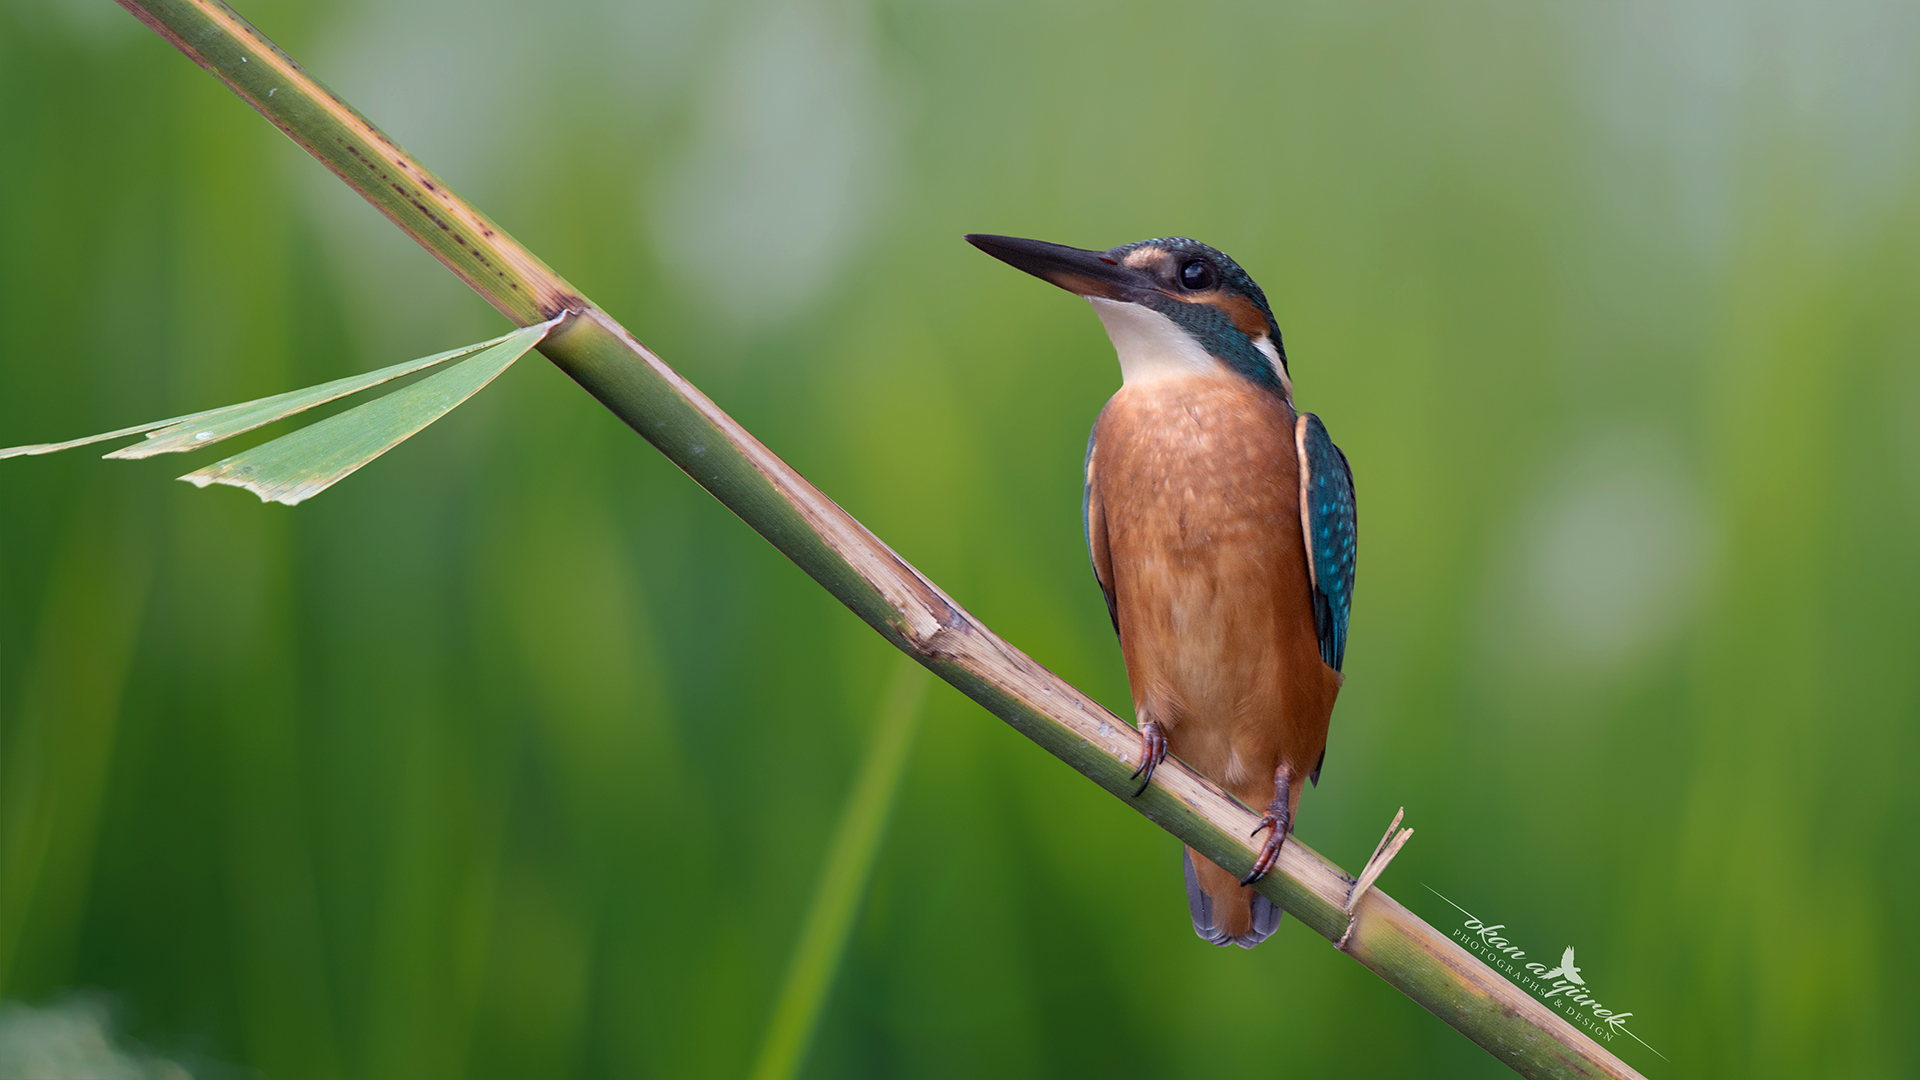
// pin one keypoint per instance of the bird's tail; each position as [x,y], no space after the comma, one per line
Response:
[1224,911]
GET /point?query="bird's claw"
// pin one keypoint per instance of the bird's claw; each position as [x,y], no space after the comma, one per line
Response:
[1269,851]
[1153,750]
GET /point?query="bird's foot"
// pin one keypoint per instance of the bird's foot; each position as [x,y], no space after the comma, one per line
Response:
[1280,822]
[1153,750]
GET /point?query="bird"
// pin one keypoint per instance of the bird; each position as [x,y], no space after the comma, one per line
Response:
[1222,529]
[1567,969]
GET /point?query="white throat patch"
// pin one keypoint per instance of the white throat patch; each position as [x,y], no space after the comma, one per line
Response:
[1150,345]
[1265,345]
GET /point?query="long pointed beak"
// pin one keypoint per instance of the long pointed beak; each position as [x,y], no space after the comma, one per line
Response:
[1081,272]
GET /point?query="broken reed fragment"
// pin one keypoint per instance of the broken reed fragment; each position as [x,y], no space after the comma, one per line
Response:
[292,468]
[1383,853]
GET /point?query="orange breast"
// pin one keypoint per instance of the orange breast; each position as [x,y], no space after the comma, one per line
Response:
[1196,482]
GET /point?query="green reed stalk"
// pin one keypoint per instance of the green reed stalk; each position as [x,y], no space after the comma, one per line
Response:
[853,564]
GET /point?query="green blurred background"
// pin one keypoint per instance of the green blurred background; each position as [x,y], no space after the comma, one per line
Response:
[517,755]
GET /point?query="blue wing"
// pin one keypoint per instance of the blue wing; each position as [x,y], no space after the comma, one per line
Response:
[1331,523]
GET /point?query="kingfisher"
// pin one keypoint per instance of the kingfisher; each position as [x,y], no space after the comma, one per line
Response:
[1221,525]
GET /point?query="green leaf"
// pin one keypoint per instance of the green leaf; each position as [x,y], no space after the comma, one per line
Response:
[193,430]
[35,449]
[843,880]
[299,466]
[209,428]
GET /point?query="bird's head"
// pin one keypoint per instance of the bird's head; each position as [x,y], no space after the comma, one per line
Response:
[1172,306]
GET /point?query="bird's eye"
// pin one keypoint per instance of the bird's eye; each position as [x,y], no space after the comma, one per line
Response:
[1197,275]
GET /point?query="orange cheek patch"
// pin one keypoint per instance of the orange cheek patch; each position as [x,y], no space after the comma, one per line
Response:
[1237,308]
[1244,315]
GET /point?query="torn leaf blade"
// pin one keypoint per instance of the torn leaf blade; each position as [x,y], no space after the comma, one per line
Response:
[298,466]
[211,427]
[193,430]
[36,449]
